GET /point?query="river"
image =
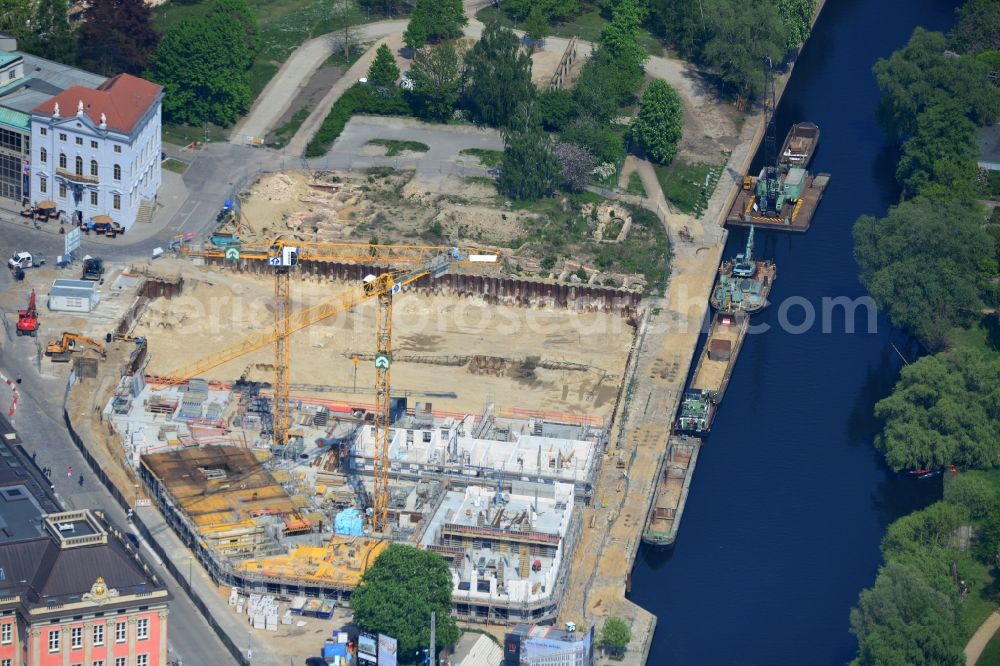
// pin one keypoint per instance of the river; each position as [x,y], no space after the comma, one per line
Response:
[790,500]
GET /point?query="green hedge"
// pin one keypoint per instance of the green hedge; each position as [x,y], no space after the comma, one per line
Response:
[359,98]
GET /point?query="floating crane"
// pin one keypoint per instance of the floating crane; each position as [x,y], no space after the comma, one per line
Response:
[432,261]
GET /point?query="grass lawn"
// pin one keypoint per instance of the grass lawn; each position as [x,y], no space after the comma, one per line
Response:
[687,185]
[283,24]
[991,655]
[337,58]
[635,185]
[587,26]
[284,134]
[394,147]
[182,135]
[170,164]
[984,337]
[488,158]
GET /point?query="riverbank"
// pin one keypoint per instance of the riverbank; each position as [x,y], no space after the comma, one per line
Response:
[600,573]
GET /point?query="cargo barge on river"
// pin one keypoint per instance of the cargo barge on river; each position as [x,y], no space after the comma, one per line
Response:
[783,195]
[670,496]
[799,146]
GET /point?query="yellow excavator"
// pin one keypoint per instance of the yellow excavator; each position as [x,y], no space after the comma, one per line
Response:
[60,350]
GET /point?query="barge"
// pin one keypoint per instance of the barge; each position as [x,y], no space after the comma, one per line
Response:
[776,200]
[718,357]
[671,491]
[799,146]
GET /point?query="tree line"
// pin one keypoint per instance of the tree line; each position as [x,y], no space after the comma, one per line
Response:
[203,64]
[932,262]
[729,38]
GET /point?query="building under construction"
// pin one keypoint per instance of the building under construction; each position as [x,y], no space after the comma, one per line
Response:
[494,495]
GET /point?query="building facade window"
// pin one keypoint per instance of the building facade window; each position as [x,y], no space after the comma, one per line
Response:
[62,190]
[62,136]
[76,638]
[79,165]
[119,632]
[93,168]
[7,633]
[98,634]
[93,198]
[118,148]
[120,661]
[142,629]
[11,140]
[54,640]
[43,156]
[43,184]
[79,140]
[116,201]
[62,160]
[97,662]
[93,144]
[44,131]
[117,171]
[142,660]
[7,662]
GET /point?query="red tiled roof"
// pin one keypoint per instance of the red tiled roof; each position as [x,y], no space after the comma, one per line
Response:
[123,99]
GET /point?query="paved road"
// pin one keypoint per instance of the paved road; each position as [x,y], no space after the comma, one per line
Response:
[295,73]
[39,423]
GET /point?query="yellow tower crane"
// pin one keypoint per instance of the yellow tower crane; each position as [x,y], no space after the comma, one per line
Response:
[283,255]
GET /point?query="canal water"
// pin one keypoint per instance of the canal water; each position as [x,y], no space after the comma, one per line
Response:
[790,500]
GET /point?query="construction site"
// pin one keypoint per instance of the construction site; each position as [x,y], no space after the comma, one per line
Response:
[259,415]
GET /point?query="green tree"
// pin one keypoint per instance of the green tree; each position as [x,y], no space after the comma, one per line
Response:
[555,108]
[536,25]
[903,620]
[743,37]
[621,36]
[615,635]
[550,10]
[15,18]
[116,36]
[383,71]
[433,21]
[920,75]
[683,24]
[203,65]
[657,128]
[498,76]
[978,27]
[529,169]
[51,36]
[397,594]
[796,16]
[939,159]
[988,540]
[973,493]
[603,140]
[942,412]
[605,84]
[923,263]
[437,81]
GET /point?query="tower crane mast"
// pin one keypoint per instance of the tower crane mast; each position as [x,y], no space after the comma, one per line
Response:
[432,261]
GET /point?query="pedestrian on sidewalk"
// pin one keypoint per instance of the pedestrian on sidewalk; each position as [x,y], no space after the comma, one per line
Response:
[81,480]
[69,471]
[34,455]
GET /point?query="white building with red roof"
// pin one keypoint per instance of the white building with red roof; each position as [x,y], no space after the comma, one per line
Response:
[96,151]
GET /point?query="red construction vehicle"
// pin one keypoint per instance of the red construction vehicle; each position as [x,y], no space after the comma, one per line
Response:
[27,320]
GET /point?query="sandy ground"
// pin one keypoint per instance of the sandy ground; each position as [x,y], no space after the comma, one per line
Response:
[218,308]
